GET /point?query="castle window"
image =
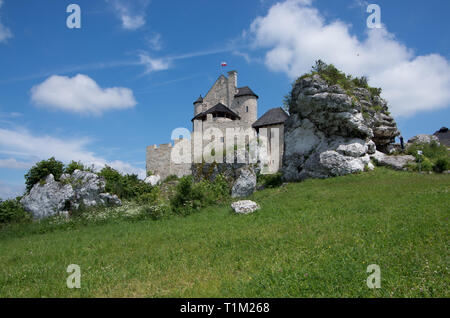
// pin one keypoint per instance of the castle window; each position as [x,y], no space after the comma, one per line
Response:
[246,109]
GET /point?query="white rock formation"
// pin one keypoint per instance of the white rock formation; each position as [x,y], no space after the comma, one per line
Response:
[153,180]
[423,139]
[79,189]
[396,162]
[48,198]
[245,184]
[327,134]
[245,206]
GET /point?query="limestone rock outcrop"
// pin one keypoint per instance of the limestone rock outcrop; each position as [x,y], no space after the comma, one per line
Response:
[423,139]
[245,206]
[376,116]
[331,132]
[395,162]
[48,199]
[81,188]
[245,184]
[153,180]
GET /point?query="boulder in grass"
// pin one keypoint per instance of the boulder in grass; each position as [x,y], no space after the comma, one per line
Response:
[244,206]
[245,185]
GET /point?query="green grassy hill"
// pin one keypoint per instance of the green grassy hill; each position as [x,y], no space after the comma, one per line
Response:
[310,239]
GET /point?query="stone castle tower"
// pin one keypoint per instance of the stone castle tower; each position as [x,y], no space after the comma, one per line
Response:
[224,106]
[241,104]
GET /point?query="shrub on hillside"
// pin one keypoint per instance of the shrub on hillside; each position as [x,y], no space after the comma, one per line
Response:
[152,197]
[431,150]
[185,199]
[41,170]
[11,211]
[172,177]
[442,164]
[270,180]
[155,212]
[190,196]
[434,156]
[76,165]
[425,165]
[126,187]
[220,188]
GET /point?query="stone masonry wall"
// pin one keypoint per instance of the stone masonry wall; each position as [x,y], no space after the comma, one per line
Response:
[159,162]
[217,94]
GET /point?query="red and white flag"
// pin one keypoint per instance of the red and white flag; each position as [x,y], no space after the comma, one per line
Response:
[223,64]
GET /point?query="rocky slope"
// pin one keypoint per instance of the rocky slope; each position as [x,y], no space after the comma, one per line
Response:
[81,188]
[332,131]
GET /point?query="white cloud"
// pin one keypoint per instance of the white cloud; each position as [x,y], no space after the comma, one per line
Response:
[153,64]
[21,142]
[132,14]
[80,94]
[163,63]
[154,42]
[5,33]
[9,191]
[10,115]
[295,34]
[12,163]
[359,3]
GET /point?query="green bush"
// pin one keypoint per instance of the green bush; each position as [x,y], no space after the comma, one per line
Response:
[151,197]
[270,180]
[442,164]
[155,212]
[127,187]
[375,91]
[434,157]
[112,178]
[190,196]
[11,211]
[431,150]
[425,165]
[41,170]
[220,188]
[77,165]
[360,82]
[184,200]
[172,177]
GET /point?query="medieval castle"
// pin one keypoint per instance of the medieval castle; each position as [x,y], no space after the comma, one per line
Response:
[224,107]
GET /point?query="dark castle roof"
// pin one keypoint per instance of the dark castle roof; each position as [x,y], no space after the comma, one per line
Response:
[218,109]
[245,91]
[199,100]
[444,136]
[271,117]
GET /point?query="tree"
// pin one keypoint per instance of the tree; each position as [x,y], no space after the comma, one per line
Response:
[41,170]
[319,67]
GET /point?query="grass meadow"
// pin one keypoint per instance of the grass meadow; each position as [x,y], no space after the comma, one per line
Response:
[310,239]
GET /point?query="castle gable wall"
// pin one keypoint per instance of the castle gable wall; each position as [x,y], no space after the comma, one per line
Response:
[217,94]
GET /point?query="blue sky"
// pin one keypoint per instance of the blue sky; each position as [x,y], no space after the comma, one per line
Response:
[128,77]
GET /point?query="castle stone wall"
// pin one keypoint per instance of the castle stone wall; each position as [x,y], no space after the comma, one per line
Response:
[198,108]
[240,105]
[158,160]
[217,94]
